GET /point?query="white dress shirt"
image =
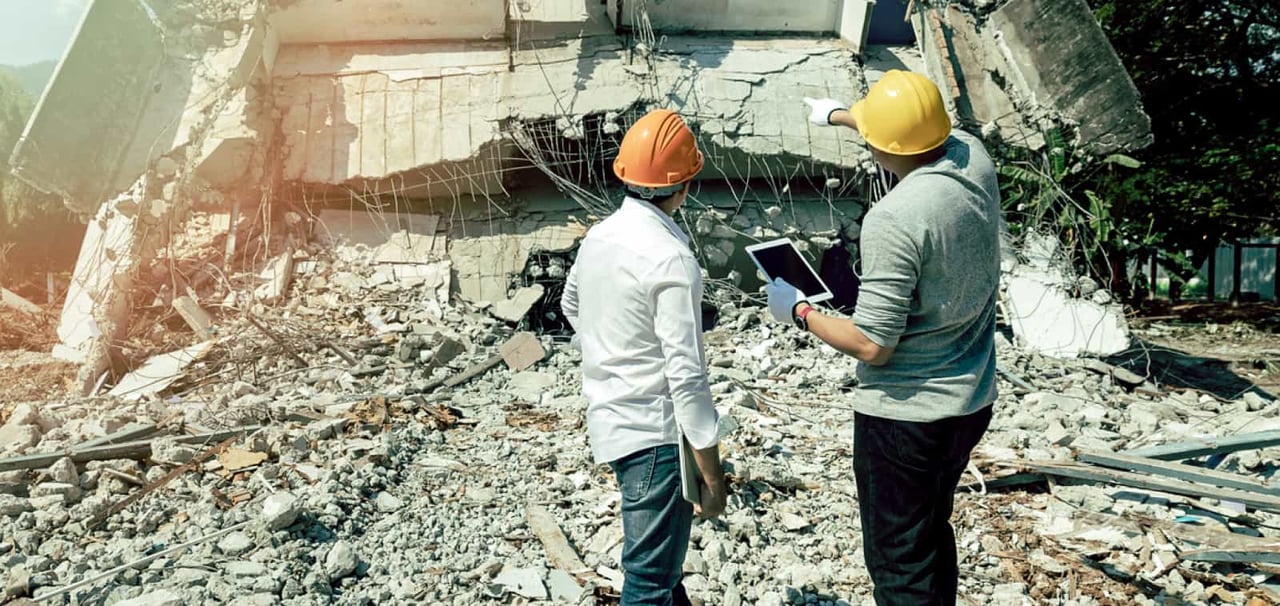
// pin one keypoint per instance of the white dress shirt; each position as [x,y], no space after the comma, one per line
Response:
[634,296]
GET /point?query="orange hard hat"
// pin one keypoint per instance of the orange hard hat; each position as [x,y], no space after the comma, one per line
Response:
[658,152]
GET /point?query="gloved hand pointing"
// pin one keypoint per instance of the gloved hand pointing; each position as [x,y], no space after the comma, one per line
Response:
[822,110]
[783,299]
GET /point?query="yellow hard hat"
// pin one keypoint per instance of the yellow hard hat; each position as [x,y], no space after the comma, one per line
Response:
[903,114]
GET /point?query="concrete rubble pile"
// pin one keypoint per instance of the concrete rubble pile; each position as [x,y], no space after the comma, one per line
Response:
[357,436]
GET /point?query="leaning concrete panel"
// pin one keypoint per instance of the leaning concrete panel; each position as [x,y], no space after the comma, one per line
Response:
[1064,60]
[102,86]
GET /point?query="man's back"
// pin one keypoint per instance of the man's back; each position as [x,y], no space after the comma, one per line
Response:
[931,271]
[641,347]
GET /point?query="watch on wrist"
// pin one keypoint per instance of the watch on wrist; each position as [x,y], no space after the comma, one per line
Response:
[801,318]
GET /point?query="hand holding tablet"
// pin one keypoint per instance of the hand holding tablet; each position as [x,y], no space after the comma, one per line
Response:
[781,259]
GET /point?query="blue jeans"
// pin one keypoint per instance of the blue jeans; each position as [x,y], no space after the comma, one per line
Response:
[655,524]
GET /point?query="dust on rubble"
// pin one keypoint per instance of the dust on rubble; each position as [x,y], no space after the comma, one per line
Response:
[32,376]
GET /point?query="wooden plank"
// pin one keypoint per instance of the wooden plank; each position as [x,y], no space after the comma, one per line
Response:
[1176,471]
[12,299]
[559,552]
[473,372]
[1137,480]
[1191,449]
[1265,554]
[195,462]
[1203,536]
[129,433]
[130,450]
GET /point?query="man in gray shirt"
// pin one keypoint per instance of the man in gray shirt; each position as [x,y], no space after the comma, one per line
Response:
[924,328]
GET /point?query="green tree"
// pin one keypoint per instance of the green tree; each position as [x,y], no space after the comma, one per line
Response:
[1209,75]
[31,222]
[15,107]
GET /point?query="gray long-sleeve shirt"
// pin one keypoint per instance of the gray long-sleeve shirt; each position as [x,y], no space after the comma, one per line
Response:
[930,276]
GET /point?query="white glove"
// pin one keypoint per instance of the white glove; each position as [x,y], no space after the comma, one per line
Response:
[783,299]
[822,109]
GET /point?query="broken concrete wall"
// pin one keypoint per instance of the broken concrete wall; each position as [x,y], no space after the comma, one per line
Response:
[170,157]
[328,21]
[147,73]
[370,112]
[1060,56]
[1029,65]
[123,69]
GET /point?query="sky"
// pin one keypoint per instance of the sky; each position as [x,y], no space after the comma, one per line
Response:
[36,30]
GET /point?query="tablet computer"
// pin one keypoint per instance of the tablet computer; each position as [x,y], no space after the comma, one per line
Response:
[781,259]
[690,478]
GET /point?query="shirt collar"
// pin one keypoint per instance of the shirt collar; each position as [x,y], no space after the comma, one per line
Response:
[636,204]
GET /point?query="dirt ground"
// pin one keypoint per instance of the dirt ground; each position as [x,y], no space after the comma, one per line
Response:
[1219,348]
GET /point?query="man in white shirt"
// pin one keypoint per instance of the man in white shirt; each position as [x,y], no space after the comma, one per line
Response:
[634,296]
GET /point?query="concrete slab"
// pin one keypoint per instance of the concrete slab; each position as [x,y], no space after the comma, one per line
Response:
[1047,320]
[982,99]
[159,372]
[517,307]
[310,21]
[485,266]
[196,317]
[1060,57]
[522,351]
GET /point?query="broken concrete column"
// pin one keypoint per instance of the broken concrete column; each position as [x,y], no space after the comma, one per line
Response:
[151,161]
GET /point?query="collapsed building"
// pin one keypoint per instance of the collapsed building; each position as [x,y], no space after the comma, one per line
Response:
[464,147]
[350,213]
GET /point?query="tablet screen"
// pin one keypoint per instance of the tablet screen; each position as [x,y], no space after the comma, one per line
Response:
[780,259]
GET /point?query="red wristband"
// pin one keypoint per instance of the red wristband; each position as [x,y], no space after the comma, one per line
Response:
[804,313]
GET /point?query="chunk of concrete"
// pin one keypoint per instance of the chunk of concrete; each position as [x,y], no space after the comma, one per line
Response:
[247,570]
[235,544]
[387,502]
[169,450]
[518,306]
[64,471]
[522,351]
[159,372]
[70,493]
[793,522]
[195,316]
[530,385]
[1058,435]
[18,438]
[1048,321]
[280,510]
[163,597]
[278,275]
[564,588]
[525,582]
[12,506]
[1059,56]
[341,562]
